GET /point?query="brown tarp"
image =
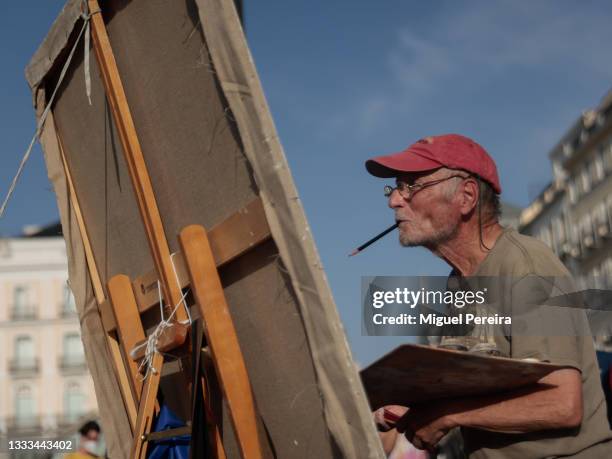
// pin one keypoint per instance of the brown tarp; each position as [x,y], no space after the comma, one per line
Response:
[211,147]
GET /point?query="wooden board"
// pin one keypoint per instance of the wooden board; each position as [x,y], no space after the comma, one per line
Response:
[413,374]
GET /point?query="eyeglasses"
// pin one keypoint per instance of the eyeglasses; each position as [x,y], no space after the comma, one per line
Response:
[407,191]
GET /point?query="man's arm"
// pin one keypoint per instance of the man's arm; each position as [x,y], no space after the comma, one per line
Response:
[556,404]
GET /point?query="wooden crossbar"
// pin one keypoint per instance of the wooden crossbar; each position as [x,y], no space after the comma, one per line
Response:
[165,434]
[229,239]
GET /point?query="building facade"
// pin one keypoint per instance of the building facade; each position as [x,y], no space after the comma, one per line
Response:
[573,215]
[45,387]
[510,215]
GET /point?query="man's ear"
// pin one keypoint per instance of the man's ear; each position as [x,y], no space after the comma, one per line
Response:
[469,195]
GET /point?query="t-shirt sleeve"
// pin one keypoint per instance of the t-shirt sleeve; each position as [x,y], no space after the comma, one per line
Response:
[545,326]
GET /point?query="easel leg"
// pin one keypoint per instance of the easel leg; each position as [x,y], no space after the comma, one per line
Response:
[212,421]
[129,327]
[146,408]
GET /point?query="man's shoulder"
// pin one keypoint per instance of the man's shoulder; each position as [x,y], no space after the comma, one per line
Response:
[518,255]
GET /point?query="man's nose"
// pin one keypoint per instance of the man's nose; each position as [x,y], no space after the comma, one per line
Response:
[396,200]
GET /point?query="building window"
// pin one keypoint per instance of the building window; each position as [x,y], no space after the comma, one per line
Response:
[584,181]
[545,236]
[24,362]
[600,220]
[550,232]
[73,349]
[596,278]
[25,407]
[24,351]
[22,309]
[574,234]
[74,401]
[559,235]
[581,282]
[600,213]
[68,304]
[20,295]
[573,190]
[596,173]
[558,170]
[606,155]
[607,272]
[601,282]
[586,232]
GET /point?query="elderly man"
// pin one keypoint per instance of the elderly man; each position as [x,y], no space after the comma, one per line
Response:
[446,199]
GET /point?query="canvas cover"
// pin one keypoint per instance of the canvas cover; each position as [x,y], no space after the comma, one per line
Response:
[210,147]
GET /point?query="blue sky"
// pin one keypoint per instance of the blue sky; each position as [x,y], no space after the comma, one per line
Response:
[349,79]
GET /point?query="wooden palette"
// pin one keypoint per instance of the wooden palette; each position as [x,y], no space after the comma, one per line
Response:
[413,374]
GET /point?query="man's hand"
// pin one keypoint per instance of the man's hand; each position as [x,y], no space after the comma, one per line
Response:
[425,426]
[385,419]
[387,416]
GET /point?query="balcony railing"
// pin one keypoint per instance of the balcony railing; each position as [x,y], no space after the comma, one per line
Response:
[23,423]
[24,367]
[27,426]
[66,419]
[25,312]
[72,363]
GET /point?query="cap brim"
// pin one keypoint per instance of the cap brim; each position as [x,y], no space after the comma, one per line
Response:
[393,165]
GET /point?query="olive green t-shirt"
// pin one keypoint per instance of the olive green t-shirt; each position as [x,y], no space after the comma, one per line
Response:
[525,268]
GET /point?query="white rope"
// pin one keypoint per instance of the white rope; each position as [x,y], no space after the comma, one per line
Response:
[86,16]
[179,283]
[43,117]
[150,344]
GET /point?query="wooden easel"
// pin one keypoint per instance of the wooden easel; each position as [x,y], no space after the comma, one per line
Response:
[197,265]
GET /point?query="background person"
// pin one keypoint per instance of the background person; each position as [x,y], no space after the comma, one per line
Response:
[88,441]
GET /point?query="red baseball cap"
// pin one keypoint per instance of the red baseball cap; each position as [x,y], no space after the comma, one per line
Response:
[449,150]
